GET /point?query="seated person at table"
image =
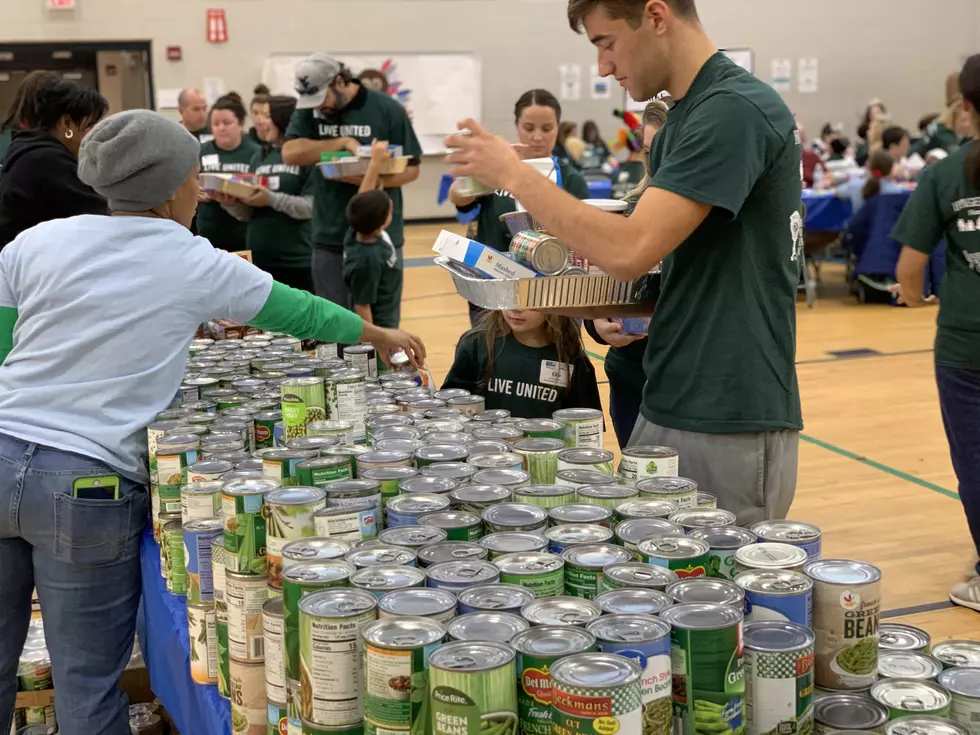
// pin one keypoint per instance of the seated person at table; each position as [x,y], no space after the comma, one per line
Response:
[896,142]
[868,182]
[527,362]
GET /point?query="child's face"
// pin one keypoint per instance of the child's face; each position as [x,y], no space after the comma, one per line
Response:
[524,322]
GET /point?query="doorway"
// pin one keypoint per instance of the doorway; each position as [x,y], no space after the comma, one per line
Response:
[122,70]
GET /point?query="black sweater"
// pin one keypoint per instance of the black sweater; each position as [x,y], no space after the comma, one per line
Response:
[40,182]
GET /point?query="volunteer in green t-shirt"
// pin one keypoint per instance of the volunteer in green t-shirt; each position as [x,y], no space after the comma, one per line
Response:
[537,115]
[193,109]
[279,213]
[723,212]
[18,117]
[229,152]
[946,206]
[335,112]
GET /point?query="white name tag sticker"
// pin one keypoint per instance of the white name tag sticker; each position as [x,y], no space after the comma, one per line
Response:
[210,160]
[555,373]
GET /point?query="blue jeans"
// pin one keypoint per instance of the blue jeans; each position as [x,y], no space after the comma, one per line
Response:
[83,557]
[624,410]
[959,400]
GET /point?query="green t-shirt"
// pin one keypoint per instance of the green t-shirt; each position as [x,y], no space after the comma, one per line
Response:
[491,231]
[374,278]
[276,239]
[368,116]
[527,381]
[946,205]
[5,137]
[936,135]
[213,222]
[722,341]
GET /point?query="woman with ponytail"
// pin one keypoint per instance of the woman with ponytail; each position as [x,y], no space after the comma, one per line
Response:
[946,206]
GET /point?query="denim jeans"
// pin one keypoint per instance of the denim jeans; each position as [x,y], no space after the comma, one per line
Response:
[624,410]
[959,400]
[83,557]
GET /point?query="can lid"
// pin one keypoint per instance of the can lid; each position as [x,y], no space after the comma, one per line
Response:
[533,446]
[419,601]
[579,533]
[545,491]
[576,414]
[315,548]
[486,626]
[296,495]
[417,504]
[702,589]
[667,486]
[475,572]
[898,637]
[596,556]
[502,458]
[515,514]
[529,563]
[553,640]
[383,456]
[273,607]
[452,470]
[788,531]
[318,572]
[770,554]
[387,577]
[248,487]
[338,603]
[645,508]
[421,484]
[638,574]
[539,425]
[673,546]
[413,536]
[962,680]
[629,628]
[506,477]
[495,597]
[910,695]
[702,616]
[403,632]
[204,525]
[442,453]
[507,542]
[388,473]
[481,448]
[582,455]
[375,556]
[650,452]
[588,479]
[279,455]
[637,530]
[925,725]
[842,571]
[772,636]
[725,537]
[774,581]
[450,519]
[908,665]
[703,517]
[471,656]
[452,551]
[312,442]
[633,601]
[849,712]
[595,671]
[561,610]
[579,512]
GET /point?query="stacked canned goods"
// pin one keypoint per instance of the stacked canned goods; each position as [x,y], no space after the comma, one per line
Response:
[412,563]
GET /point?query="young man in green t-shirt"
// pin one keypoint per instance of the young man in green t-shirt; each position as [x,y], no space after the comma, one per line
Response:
[335,112]
[946,206]
[723,213]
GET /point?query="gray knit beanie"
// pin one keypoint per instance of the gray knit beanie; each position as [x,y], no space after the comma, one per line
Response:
[137,159]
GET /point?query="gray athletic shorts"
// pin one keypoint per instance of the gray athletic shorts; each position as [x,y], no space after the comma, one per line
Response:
[753,475]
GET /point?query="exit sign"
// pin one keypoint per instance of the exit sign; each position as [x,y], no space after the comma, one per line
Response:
[61,4]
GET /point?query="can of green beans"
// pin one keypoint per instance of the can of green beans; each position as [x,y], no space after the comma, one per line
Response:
[599,460]
[242,502]
[679,490]
[221,634]
[542,429]
[580,514]
[546,496]
[540,458]
[281,465]
[512,542]
[289,514]
[459,526]
[542,573]
[584,565]
[176,572]
[472,689]
[477,498]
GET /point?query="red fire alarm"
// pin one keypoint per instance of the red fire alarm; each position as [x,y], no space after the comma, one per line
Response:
[174,53]
[217,26]
[61,4]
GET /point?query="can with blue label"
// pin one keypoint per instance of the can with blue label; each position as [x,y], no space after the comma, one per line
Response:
[198,536]
[805,535]
[278,719]
[494,598]
[780,595]
[646,640]
[405,510]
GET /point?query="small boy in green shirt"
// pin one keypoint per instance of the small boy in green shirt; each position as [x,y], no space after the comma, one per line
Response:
[372,268]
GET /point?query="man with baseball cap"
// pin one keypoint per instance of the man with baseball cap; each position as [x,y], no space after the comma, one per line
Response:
[336,112]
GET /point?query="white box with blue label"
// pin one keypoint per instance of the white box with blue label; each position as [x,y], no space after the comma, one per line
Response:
[489,262]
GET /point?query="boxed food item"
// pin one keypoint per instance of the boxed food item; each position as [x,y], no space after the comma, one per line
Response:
[219,329]
[237,185]
[636,325]
[482,258]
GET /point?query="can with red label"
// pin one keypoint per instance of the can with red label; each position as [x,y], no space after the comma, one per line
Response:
[543,253]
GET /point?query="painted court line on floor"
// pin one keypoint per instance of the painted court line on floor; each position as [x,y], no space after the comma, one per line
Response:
[913,609]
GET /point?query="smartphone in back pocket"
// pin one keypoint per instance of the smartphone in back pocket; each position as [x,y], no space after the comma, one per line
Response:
[100,487]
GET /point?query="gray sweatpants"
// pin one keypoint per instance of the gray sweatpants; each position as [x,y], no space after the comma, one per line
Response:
[753,475]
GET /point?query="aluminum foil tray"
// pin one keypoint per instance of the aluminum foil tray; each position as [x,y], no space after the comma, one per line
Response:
[555,292]
[343,167]
[226,185]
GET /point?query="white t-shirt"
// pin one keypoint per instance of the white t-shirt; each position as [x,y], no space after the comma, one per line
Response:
[107,307]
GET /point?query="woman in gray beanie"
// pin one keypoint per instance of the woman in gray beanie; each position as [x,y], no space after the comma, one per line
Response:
[96,316]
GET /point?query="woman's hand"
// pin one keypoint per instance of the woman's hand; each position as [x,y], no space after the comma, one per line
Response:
[259,198]
[611,331]
[391,340]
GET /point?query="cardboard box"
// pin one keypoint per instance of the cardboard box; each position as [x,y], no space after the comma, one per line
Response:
[484,259]
[34,699]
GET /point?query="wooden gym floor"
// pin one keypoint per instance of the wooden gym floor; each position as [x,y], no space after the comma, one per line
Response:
[875,473]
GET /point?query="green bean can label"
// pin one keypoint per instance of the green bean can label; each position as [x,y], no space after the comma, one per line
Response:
[721,563]
[548,584]
[221,630]
[534,694]
[708,681]
[244,534]
[396,690]
[575,711]
[779,692]
[582,582]
[173,538]
[454,712]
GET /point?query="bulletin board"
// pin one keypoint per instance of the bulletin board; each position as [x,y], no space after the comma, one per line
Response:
[437,90]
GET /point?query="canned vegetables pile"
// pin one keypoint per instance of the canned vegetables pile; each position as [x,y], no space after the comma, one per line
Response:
[34,675]
[362,555]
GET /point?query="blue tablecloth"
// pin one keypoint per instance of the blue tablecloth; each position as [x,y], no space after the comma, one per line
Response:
[600,189]
[825,212]
[162,630]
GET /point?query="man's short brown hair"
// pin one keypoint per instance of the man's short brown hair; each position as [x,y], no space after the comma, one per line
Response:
[629,10]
